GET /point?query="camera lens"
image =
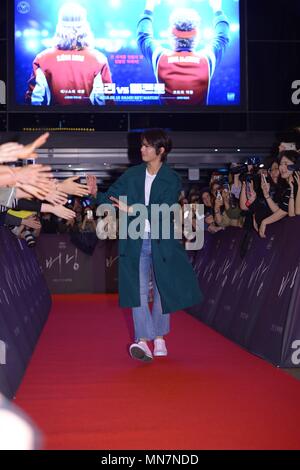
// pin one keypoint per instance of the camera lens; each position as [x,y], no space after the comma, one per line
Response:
[30,239]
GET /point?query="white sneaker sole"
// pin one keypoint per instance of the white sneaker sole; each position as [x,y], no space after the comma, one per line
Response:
[138,353]
[160,354]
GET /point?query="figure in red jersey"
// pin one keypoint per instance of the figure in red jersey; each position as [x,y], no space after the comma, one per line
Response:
[185,71]
[73,71]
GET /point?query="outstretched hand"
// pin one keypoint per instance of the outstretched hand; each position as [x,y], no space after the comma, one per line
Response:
[91,182]
[56,197]
[32,222]
[11,152]
[71,187]
[120,205]
[29,191]
[28,151]
[63,212]
[36,175]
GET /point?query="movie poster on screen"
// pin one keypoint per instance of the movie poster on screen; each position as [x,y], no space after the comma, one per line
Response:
[160,54]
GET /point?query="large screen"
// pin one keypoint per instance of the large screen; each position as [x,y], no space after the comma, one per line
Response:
[2,74]
[127,54]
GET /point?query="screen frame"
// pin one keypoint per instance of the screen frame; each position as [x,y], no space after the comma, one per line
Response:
[13,106]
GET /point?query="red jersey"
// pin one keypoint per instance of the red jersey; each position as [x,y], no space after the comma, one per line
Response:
[185,74]
[67,76]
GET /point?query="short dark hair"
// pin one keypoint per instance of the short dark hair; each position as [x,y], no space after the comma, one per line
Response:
[185,20]
[292,155]
[158,138]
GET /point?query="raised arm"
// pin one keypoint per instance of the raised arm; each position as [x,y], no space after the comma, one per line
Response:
[217,46]
[280,214]
[149,47]
[117,189]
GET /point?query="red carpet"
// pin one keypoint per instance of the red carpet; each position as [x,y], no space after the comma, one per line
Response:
[85,392]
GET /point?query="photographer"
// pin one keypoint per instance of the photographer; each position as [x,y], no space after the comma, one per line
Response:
[285,191]
[218,208]
[236,186]
[88,224]
[209,222]
[258,202]
[26,223]
[252,198]
[231,216]
[215,192]
[28,228]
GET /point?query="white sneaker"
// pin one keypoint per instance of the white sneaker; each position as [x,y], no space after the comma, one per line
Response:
[160,347]
[141,351]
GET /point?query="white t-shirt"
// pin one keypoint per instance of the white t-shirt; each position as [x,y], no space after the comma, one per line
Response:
[148,183]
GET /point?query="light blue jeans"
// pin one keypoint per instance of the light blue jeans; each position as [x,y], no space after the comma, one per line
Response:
[149,325]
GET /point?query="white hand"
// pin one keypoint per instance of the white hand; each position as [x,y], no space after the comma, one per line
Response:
[120,205]
[30,190]
[69,186]
[32,222]
[63,212]
[56,197]
[36,175]
[28,151]
[10,152]
[91,182]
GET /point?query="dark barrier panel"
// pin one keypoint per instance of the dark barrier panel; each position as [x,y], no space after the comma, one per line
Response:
[254,301]
[68,270]
[24,307]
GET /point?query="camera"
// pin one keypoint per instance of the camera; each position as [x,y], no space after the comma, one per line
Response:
[89,214]
[85,202]
[242,168]
[249,176]
[219,195]
[225,183]
[29,238]
[70,203]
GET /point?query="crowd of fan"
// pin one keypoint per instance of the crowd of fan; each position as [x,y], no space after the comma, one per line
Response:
[83,221]
[30,193]
[251,194]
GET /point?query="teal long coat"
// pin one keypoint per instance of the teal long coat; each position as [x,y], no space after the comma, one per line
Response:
[175,278]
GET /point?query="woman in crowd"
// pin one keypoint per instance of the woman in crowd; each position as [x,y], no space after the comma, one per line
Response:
[285,193]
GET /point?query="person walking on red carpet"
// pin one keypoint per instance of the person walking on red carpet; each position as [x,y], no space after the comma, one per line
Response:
[175,285]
